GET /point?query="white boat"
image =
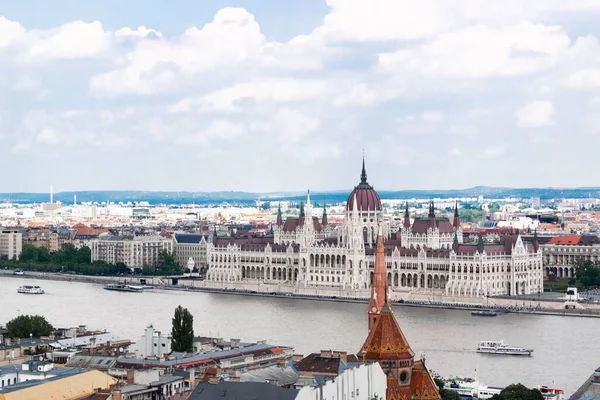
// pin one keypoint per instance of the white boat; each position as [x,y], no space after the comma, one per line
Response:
[551,394]
[122,287]
[30,289]
[470,388]
[499,347]
[19,272]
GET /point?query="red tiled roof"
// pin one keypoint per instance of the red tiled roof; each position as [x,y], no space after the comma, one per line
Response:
[565,240]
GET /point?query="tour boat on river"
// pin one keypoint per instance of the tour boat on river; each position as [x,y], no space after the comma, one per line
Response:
[484,313]
[499,347]
[30,289]
[470,388]
[551,394]
[122,287]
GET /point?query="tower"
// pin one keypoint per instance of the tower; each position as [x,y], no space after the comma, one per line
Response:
[379,286]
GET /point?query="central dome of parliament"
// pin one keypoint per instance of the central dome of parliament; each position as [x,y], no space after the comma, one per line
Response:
[367,198]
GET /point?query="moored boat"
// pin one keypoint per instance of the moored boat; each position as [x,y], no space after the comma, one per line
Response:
[499,347]
[470,388]
[122,287]
[484,313]
[26,289]
[551,393]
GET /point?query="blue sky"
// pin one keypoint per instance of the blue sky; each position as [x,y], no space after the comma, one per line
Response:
[266,95]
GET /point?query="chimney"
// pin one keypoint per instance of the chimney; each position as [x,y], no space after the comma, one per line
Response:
[116,395]
[192,378]
[130,375]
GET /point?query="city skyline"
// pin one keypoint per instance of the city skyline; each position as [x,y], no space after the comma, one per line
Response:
[259,96]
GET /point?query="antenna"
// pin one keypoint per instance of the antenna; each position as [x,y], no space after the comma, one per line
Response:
[51,193]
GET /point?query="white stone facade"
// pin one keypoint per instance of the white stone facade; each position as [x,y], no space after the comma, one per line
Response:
[426,255]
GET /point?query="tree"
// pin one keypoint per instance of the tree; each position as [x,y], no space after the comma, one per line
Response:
[25,325]
[182,334]
[587,272]
[446,394]
[518,392]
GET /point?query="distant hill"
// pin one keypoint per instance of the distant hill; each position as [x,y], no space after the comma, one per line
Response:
[329,197]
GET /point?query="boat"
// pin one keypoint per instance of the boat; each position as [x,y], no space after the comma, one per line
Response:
[122,287]
[484,313]
[19,272]
[499,347]
[551,394]
[470,388]
[30,289]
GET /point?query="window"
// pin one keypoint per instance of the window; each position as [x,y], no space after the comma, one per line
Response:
[357,392]
[403,377]
[163,345]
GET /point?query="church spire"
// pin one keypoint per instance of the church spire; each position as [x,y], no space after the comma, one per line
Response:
[432,220]
[363,174]
[480,244]
[279,217]
[456,222]
[379,286]
[536,243]
[324,221]
[406,217]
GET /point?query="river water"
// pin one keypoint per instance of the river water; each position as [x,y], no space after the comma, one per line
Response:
[566,349]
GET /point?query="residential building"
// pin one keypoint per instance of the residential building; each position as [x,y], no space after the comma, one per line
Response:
[135,252]
[422,255]
[11,243]
[191,246]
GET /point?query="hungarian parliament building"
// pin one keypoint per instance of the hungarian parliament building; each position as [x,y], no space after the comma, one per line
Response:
[425,254]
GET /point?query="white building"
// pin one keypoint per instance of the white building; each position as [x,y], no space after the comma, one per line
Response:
[423,255]
[11,243]
[188,246]
[134,252]
[156,345]
[361,382]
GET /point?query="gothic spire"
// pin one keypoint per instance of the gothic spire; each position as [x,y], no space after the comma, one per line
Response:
[324,221]
[302,209]
[536,243]
[480,244]
[379,286]
[279,217]
[406,217]
[456,222]
[363,174]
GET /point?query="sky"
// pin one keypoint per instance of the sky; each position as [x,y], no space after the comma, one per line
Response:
[270,95]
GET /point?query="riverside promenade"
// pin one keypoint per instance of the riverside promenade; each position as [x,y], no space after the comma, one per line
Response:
[417,298]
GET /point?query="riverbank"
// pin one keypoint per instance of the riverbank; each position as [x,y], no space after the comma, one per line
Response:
[194,285]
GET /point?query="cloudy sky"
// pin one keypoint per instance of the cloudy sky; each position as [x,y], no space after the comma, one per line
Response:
[269,95]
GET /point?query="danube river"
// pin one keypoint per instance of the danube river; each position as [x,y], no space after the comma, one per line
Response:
[566,349]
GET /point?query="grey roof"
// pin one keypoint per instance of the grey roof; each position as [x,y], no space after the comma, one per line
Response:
[283,376]
[135,388]
[241,390]
[189,238]
[198,358]
[91,361]
[164,379]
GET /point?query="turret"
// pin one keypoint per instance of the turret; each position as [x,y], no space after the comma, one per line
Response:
[324,221]
[279,218]
[406,217]
[456,222]
[379,287]
[480,244]
[432,220]
[455,243]
[536,243]
[363,173]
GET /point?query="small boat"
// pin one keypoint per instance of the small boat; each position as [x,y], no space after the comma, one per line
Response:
[19,272]
[484,313]
[30,290]
[122,287]
[499,347]
[470,388]
[551,394]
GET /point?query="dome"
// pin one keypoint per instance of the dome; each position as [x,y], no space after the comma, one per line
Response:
[367,198]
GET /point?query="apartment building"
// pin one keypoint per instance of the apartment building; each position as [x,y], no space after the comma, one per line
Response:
[135,252]
[11,243]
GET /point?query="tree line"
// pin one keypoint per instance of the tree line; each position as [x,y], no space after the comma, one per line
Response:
[70,259]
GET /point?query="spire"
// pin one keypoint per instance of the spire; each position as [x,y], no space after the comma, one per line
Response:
[363,174]
[455,243]
[302,209]
[324,221]
[279,218]
[379,287]
[480,244]
[406,217]
[456,222]
[432,220]
[536,243]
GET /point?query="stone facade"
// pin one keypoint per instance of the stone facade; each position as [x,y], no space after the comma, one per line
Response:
[135,252]
[423,255]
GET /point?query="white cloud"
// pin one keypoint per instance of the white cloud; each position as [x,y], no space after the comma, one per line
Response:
[585,79]
[10,32]
[275,90]
[27,83]
[493,151]
[453,152]
[218,130]
[432,116]
[535,114]
[72,40]
[140,32]
[481,52]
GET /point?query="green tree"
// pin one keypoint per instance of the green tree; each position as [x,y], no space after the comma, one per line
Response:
[587,272]
[182,334]
[446,394]
[518,392]
[25,325]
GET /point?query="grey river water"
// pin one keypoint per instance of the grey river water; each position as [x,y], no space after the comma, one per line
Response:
[566,349]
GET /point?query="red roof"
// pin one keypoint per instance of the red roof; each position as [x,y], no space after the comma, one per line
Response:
[565,240]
